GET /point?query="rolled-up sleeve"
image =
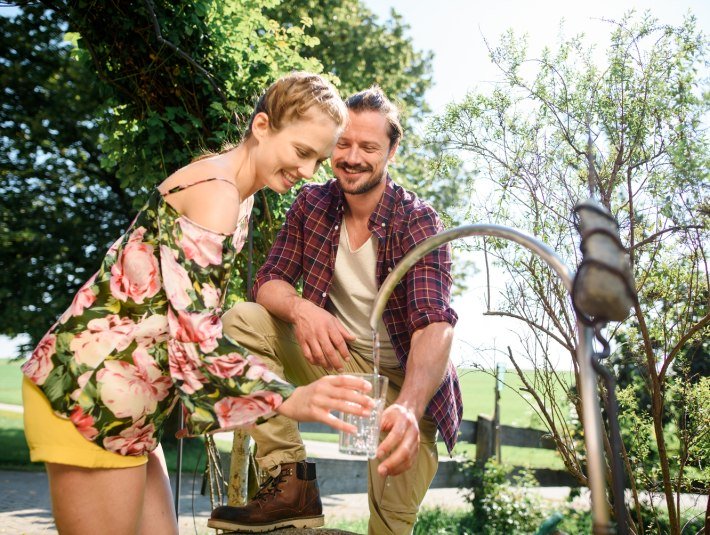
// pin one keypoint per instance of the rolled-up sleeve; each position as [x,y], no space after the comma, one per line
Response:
[429,280]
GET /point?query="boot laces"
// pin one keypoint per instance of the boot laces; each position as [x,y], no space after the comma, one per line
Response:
[271,486]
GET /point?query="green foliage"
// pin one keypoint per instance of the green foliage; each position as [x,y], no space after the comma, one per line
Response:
[500,503]
[59,208]
[440,522]
[352,44]
[94,119]
[16,454]
[627,130]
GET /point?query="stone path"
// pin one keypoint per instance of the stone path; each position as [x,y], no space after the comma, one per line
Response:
[25,505]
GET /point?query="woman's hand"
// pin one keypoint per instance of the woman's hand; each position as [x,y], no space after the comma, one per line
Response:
[313,403]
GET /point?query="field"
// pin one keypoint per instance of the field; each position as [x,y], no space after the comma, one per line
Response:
[478,397]
[10,381]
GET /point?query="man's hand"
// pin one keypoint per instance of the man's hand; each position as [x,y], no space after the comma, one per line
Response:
[399,449]
[321,336]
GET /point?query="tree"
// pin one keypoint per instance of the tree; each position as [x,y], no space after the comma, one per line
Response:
[560,128]
[59,206]
[352,44]
[115,112]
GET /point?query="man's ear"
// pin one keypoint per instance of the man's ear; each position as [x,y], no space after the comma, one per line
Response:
[393,150]
[261,125]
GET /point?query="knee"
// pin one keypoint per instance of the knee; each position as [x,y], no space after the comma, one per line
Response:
[243,317]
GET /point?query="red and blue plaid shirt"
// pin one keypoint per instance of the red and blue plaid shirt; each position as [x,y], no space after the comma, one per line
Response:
[307,245]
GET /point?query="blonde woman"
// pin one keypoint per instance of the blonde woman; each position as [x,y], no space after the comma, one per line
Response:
[145,330]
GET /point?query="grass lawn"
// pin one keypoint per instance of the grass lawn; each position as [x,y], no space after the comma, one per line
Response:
[528,457]
[477,389]
[478,397]
[14,453]
[10,382]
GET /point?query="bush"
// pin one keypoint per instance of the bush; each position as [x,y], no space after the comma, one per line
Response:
[440,522]
[500,503]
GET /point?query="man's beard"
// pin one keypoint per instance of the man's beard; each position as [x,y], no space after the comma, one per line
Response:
[371,184]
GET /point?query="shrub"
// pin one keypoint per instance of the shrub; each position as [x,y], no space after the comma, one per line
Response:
[500,502]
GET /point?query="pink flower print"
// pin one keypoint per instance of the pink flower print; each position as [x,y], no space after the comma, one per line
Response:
[84,423]
[101,338]
[210,296]
[40,364]
[226,366]
[200,245]
[244,410]
[113,250]
[151,330]
[175,278]
[81,382]
[136,274]
[84,298]
[130,391]
[185,366]
[240,236]
[203,328]
[135,440]
[258,370]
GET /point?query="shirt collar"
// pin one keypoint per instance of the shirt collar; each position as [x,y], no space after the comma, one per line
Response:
[383,210]
[380,216]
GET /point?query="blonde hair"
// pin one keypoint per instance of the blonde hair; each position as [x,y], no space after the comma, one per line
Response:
[292,96]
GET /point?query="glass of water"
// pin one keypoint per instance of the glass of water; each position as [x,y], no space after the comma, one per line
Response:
[367,437]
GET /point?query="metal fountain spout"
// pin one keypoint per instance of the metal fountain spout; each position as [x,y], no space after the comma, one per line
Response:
[601,293]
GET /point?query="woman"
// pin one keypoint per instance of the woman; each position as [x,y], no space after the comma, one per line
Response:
[145,330]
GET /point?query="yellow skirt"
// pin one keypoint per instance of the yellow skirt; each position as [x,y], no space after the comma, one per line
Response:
[53,439]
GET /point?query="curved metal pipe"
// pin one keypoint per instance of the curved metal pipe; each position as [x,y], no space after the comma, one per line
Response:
[590,402]
[483,229]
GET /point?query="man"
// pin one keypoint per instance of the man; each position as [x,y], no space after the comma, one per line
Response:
[342,239]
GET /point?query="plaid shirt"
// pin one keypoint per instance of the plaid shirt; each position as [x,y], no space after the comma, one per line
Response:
[307,245]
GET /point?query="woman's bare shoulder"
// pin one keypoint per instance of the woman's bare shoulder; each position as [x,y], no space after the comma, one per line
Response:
[196,172]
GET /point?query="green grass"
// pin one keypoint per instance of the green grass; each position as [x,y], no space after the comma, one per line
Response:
[476,386]
[477,389]
[10,382]
[352,525]
[528,457]
[14,453]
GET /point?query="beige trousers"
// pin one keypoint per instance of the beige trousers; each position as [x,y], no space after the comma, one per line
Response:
[394,500]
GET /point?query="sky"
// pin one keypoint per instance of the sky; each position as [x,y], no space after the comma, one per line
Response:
[456,31]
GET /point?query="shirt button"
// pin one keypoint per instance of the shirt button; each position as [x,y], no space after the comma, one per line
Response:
[324,294]
[336,227]
[389,269]
[383,224]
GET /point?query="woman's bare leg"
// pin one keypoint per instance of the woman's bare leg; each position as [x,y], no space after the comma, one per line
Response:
[113,500]
[158,507]
[97,500]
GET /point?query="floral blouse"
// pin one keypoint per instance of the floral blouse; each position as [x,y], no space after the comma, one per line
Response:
[145,331]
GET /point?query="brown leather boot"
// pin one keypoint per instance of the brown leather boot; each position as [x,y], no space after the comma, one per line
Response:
[288,499]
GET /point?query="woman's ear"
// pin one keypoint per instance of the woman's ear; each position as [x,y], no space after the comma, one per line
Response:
[260,126]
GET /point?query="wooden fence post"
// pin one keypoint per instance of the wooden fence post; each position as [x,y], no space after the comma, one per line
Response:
[484,439]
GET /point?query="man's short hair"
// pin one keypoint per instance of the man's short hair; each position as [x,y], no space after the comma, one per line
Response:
[374,99]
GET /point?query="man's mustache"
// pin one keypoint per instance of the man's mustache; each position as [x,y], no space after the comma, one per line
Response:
[353,168]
